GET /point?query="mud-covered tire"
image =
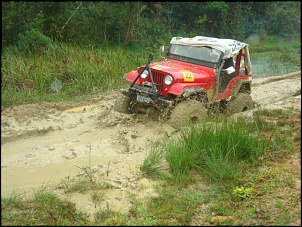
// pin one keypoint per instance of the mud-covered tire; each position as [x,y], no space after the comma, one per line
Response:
[241,103]
[122,104]
[187,112]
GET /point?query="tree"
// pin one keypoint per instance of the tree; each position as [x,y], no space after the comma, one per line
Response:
[147,23]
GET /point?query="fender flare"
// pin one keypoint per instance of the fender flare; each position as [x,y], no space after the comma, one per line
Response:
[193,90]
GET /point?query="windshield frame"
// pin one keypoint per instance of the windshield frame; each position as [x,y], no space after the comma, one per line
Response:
[196,54]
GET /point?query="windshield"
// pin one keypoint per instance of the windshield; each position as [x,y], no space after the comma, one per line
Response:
[202,53]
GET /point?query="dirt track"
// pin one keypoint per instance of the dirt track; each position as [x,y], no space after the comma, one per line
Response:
[44,144]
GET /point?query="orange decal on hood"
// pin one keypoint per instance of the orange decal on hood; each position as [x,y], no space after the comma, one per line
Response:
[188,75]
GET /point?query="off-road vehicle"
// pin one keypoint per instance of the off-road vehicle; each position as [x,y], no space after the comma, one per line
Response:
[197,77]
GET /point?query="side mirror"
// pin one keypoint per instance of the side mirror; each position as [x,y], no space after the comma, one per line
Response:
[161,51]
[230,70]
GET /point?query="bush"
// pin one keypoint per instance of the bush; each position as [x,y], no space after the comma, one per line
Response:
[33,42]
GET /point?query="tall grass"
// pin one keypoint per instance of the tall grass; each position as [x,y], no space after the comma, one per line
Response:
[217,151]
[64,72]
[44,208]
[154,165]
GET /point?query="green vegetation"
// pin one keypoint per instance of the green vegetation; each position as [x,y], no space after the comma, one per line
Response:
[225,144]
[63,73]
[246,180]
[145,23]
[43,207]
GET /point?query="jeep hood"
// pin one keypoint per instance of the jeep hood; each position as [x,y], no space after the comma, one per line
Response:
[175,67]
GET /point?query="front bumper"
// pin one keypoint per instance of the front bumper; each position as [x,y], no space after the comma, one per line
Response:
[146,95]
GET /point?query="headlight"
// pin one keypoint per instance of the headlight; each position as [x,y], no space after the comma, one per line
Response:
[144,75]
[168,80]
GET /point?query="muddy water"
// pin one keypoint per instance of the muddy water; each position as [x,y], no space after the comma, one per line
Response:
[111,144]
[56,155]
[27,166]
[49,158]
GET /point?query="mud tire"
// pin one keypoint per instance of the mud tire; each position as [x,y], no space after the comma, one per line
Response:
[187,112]
[241,103]
[122,104]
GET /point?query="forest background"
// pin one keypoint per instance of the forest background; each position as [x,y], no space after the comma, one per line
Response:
[145,23]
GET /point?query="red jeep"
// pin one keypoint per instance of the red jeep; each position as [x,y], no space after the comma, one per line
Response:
[198,76]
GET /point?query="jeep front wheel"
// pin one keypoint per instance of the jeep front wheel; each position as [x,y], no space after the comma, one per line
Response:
[241,103]
[122,104]
[186,112]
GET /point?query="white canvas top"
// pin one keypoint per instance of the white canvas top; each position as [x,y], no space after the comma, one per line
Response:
[229,47]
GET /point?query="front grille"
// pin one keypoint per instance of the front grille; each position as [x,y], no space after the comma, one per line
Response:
[158,78]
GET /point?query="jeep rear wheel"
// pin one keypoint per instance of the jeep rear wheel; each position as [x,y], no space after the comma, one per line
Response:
[122,104]
[241,103]
[186,112]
